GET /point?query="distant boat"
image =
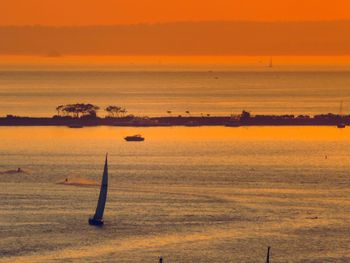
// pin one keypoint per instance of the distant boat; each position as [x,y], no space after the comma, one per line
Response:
[234,124]
[97,219]
[135,138]
[341,126]
[271,63]
[75,126]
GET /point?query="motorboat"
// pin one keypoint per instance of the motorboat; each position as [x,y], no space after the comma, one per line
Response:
[134,138]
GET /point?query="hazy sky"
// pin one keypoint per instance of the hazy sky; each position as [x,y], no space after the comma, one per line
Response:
[283,27]
[182,38]
[98,12]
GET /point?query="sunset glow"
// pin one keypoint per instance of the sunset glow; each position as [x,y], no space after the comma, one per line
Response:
[182,131]
[107,12]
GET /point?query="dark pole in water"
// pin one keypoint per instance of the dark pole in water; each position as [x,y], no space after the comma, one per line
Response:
[268,255]
[160,259]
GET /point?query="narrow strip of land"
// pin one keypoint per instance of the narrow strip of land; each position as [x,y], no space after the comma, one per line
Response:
[132,121]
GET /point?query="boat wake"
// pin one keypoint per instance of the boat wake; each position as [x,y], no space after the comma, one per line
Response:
[17,171]
[78,182]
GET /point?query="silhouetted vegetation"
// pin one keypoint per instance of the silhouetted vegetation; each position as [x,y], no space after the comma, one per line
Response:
[245,115]
[86,115]
[78,110]
[115,111]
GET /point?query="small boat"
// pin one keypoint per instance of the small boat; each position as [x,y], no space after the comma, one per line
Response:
[341,126]
[135,138]
[233,124]
[97,219]
[75,126]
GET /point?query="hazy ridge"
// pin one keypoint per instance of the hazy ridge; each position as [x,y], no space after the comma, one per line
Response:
[182,38]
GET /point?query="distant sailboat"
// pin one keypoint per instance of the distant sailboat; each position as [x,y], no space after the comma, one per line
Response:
[97,219]
[341,125]
[271,63]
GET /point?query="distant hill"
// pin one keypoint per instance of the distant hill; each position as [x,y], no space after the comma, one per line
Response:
[183,38]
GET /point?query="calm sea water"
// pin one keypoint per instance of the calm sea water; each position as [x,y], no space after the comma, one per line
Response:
[37,93]
[208,194]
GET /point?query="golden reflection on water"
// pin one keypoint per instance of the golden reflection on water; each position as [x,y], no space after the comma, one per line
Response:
[312,133]
[227,191]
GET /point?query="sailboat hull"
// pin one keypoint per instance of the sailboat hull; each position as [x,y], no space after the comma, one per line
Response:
[95,222]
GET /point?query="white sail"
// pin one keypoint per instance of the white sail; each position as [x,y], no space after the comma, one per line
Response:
[103,194]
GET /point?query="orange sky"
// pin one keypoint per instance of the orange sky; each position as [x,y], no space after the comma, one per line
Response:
[97,12]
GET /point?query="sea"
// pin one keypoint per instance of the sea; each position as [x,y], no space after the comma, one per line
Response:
[154,93]
[188,194]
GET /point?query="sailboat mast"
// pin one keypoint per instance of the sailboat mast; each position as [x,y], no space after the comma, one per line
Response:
[97,219]
[341,108]
[103,192]
[268,255]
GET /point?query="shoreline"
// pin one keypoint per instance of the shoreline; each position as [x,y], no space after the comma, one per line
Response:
[130,121]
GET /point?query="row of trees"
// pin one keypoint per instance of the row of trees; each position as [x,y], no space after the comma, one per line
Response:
[188,113]
[89,110]
[245,115]
[116,111]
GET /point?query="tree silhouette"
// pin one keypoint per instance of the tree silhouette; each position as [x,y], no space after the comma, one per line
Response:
[115,111]
[59,109]
[245,115]
[123,112]
[79,110]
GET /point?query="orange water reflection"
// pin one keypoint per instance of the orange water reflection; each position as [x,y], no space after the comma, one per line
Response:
[178,133]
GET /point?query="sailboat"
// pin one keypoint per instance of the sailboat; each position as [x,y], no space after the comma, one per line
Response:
[268,255]
[97,219]
[341,125]
[271,63]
